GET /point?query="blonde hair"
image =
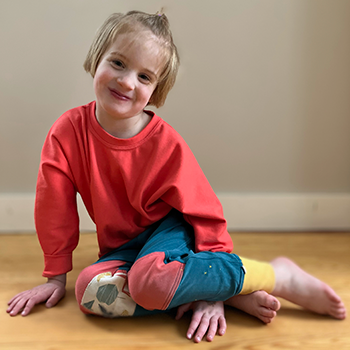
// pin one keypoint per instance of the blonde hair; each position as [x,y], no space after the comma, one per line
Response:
[119,23]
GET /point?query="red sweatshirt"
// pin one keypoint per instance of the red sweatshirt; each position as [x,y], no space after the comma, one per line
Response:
[126,185]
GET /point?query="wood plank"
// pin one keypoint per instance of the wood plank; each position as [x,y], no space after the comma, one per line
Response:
[326,255]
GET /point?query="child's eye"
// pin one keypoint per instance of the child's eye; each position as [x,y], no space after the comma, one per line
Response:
[144,77]
[118,63]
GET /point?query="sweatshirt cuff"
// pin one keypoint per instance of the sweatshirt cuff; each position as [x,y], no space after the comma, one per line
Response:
[57,265]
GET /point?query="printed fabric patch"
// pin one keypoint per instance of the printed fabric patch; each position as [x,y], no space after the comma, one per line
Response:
[108,295]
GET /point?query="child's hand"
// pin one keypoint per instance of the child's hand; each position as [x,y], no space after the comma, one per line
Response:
[208,317]
[51,292]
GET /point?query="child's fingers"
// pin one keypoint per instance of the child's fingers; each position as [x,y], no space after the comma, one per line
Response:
[18,296]
[202,329]
[213,326]
[11,303]
[33,299]
[222,325]
[16,307]
[27,300]
[16,304]
[56,296]
[25,305]
[195,321]
[28,307]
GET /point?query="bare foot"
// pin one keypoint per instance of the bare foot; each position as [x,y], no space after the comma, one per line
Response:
[259,304]
[297,286]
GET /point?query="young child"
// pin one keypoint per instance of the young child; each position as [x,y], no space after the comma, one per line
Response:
[161,232]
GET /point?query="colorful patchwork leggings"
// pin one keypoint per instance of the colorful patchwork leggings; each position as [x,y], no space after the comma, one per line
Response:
[158,270]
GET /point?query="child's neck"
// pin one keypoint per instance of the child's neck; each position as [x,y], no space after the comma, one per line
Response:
[124,128]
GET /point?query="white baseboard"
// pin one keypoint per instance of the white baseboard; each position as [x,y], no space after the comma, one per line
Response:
[245,212]
[17,214]
[287,212]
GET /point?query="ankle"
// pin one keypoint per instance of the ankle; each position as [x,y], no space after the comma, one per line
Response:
[282,276]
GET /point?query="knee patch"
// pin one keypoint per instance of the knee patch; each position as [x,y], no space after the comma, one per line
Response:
[104,292]
[108,295]
[153,282]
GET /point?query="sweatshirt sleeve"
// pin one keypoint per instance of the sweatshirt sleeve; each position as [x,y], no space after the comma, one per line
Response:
[56,216]
[188,190]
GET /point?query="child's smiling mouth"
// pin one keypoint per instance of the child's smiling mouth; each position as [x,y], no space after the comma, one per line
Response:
[118,95]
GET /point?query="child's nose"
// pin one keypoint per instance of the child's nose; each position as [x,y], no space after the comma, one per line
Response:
[127,81]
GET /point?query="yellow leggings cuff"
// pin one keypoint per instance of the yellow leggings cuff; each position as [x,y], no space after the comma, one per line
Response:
[258,276]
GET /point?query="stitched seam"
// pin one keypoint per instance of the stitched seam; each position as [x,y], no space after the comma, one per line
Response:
[174,287]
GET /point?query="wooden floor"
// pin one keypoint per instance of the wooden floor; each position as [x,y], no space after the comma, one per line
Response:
[326,255]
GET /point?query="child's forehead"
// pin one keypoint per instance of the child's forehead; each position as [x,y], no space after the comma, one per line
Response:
[137,37]
[144,41]
[143,46]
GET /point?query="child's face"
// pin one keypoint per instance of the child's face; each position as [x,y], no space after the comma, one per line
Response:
[127,75]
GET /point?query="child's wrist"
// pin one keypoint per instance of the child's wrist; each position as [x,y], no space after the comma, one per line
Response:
[61,279]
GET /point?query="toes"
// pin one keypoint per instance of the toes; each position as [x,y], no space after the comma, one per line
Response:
[267,313]
[266,319]
[339,313]
[268,301]
[331,294]
[273,303]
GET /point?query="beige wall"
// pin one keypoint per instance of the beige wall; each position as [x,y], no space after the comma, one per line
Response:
[262,97]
